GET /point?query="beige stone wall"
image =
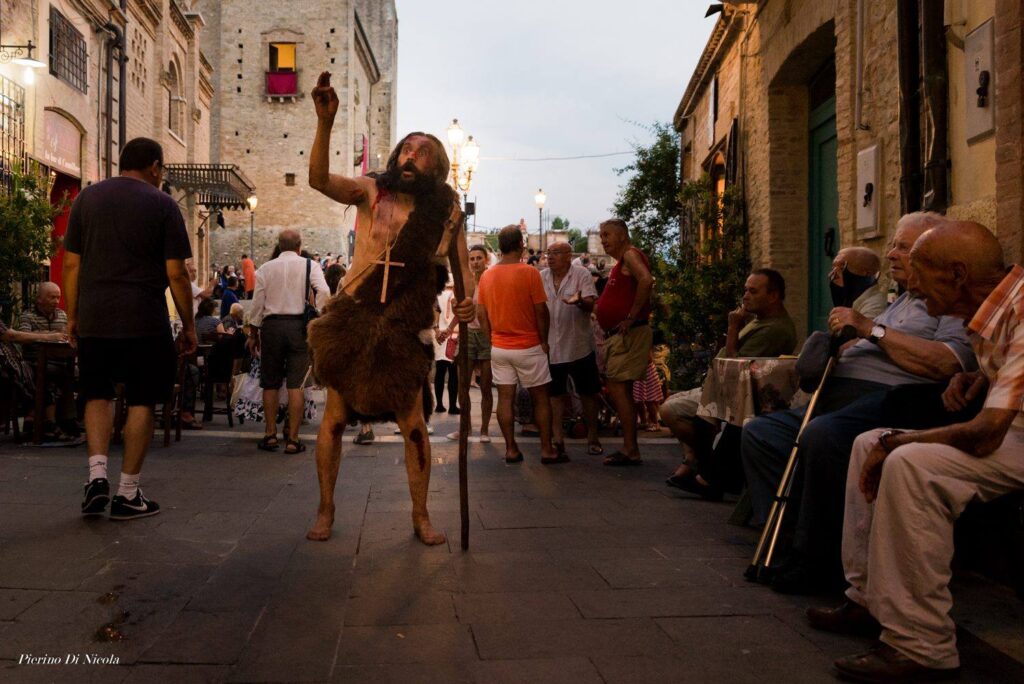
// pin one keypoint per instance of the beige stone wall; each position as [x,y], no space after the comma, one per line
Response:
[973,175]
[269,140]
[151,35]
[780,46]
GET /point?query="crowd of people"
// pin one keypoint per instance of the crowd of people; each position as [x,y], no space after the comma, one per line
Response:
[921,415]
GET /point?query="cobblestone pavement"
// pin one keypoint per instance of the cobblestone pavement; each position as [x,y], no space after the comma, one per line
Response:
[575,573]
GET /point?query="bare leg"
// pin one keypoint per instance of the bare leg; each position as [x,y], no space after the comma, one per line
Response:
[138,433]
[557,416]
[99,424]
[589,402]
[542,416]
[620,394]
[486,396]
[270,397]
[296,403]
[417,467]
[328,460]
[506,419]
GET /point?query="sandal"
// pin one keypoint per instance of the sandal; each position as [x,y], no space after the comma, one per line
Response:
[518,458]
[619,459]
[595,449]
[268,443]
[551,460]
[293,446]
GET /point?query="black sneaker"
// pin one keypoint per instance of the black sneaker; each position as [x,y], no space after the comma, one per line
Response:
[97,496]
[123,508]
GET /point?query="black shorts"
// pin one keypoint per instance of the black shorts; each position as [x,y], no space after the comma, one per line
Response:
[585,376]
[284,354]
[145,365]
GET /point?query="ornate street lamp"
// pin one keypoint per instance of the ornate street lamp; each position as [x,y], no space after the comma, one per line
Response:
[465,156]
[539,199]
[252,202]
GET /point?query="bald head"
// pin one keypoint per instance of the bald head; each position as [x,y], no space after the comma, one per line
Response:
[289,241]
[48,297]
[955,266]
[858,260]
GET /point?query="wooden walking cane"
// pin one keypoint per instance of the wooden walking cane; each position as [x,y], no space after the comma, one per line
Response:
[462,363]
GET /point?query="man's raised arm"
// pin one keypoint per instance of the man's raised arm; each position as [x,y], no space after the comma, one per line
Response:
[339,188]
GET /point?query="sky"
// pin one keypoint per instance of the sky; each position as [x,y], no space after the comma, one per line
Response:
[532,79]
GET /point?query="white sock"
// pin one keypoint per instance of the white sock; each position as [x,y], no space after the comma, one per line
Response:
[97,467]
[129,486]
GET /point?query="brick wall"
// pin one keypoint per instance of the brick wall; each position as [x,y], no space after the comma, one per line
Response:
[271,139]
[1009,51]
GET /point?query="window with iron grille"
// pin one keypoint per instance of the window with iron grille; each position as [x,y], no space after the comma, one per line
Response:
[69,59]
[12,128]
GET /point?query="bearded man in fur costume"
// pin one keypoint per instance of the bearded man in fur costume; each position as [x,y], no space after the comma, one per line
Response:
[372,345]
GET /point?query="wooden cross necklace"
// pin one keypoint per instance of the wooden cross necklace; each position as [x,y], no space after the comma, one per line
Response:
[387,263]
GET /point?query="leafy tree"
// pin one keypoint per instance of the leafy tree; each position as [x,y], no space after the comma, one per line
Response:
[559,224]
[698,280]
[649,201]
[577,240]
[26,224]
[707,279]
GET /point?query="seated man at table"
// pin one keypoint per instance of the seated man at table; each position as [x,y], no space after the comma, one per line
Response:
[760,326]
[904,490]
[905,345]
[46,317]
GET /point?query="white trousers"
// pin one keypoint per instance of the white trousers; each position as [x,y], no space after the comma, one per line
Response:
[897,551]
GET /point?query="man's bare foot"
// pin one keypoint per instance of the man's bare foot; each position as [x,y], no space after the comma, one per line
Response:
[427,534]
[321,529]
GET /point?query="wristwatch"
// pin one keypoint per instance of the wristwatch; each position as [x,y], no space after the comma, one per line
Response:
[883,439]
[877,333]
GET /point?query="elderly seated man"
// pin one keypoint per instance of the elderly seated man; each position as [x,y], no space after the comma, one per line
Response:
[905,345]
[45,316]
[853,281]
[761,326]
[904,490]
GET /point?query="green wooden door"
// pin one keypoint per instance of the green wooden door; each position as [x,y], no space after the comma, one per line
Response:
[823,224]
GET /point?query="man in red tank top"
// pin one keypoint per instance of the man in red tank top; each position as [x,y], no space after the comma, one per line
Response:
[623,311]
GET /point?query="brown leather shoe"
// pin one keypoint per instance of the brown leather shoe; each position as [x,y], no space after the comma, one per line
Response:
[849,618]
[884,664]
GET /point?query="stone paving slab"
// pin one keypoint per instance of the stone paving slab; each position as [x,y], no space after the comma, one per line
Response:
[575,574]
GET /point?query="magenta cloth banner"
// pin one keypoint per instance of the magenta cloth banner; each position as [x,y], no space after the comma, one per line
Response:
[282,83]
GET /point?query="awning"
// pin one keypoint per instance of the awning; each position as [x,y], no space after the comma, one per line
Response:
[219,186]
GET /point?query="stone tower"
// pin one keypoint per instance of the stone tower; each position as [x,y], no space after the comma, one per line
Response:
[265,63]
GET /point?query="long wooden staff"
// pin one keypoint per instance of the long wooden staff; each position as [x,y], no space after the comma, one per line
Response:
[462,362]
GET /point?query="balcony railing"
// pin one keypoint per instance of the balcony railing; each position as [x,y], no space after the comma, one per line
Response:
[218,186]
[282,84]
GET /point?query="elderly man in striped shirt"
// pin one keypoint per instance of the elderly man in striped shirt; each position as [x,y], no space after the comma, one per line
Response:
[905,489]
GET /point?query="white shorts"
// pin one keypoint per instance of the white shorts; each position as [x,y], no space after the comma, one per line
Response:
[528,367]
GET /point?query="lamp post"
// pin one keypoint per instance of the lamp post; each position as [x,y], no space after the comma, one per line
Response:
[539,200]
[465,156]
[252,202]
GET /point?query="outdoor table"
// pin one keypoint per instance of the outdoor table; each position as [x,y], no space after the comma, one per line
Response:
[737,390]
[44,352]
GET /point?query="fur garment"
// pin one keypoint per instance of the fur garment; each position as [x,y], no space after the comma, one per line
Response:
[372,353]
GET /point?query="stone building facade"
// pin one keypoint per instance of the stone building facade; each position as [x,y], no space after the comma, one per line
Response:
[800,102]
[60,116]
[265,64]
